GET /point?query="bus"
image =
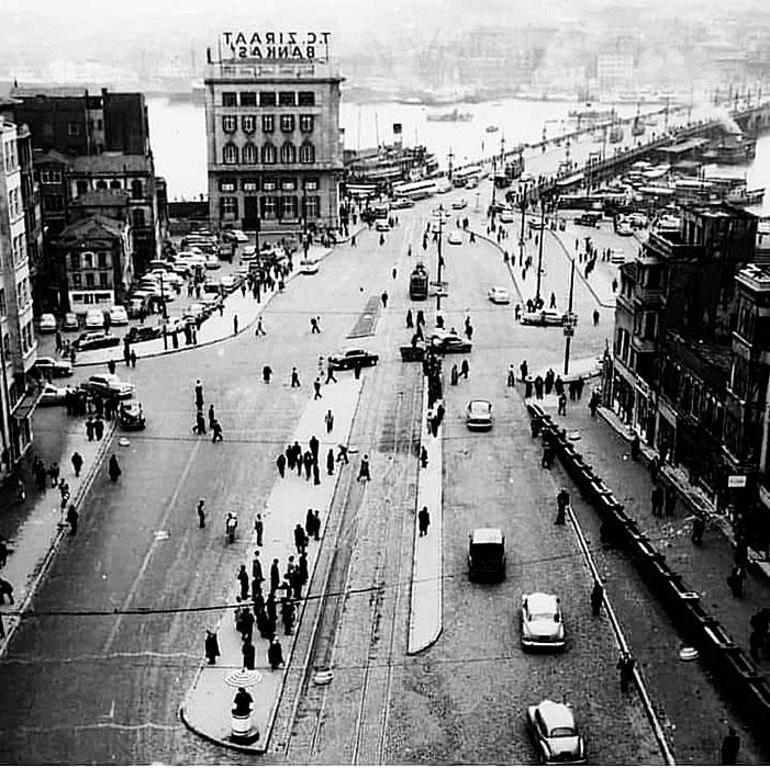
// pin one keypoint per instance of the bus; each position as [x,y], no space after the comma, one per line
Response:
[461,176]
[418,282]
[415,190]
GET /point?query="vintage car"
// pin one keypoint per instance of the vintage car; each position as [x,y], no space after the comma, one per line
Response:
[478,414]
[454,238]
[348,358]
[144,333]
[131,416]
[47,323]
[449,343]
[108,385]
[96,340]
[553,729]
[548,317]
[542,624]
[486,555]
[49,367]
[499,295]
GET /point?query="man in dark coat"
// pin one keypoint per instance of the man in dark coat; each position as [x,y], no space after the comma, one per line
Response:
[281,462]
[423,521]
[249,653]
[246,625]
[270,607]
[275,654]
[114,468]
[289,453]
[307,460]
[72,519]
[77,463]
[300,538]
[243,580]
[212,647]
[597,596]
[275,577]
[657,498]
[562,502]
[314,445]
[330,462]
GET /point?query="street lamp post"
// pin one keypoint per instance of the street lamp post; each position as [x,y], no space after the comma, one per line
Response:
[569,328]
[540,251]
[523,211]
[440,257]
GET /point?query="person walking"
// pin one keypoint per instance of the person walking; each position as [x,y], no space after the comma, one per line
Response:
[114,468]
[218,435]
[597,596]
[562,405]
[329,421]
[523,369]
[257,576]
[657,498]
[465,369]
[198,395]
[267,372]
[275,577]
[316,524]
[72,519]
[275,654]
[294,378]
[307,462]
[670,500]
[314,446]
[317,388]
[698,529]
[735,581]
[330,462]
[235,325]
[384,299]
[423,519]
[201,510]
[626,664]
[249,654]
[363,470]
[330,373]
[243,580]
[409,319]
[259,530]
[300,538]
[260,331]
[314,327]
[281,463]
[731,744]
[212,417]
[200,424]
[77,463]
[133,358]
[98,427]
[562,502]
[211,647]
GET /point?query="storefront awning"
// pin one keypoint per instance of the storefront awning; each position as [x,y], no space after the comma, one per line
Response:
[27,404]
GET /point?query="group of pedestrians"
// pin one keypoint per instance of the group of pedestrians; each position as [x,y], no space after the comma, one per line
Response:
[214,425]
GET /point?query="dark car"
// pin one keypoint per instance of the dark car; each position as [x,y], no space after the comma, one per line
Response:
[144,333]
[588,219]
[96,340]
[349,357]
[450,343]
[486,555]
[48,366]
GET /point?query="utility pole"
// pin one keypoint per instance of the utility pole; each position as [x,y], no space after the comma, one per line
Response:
[523,210]
[440,257]
[540,251]
[451,157]
[569,328]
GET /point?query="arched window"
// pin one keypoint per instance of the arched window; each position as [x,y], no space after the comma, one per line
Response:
[269,155]
[82,186]
[288,153]
[249,153]
[307,152]
[115,184]
[101,184]
[229,154]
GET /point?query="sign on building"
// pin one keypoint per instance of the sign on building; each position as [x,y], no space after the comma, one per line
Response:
[291,46]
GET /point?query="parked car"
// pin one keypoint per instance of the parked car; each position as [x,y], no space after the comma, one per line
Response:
[382,225]
[458,205]
[478,414]
[144,333]
[548,317]
[47,323]
[402,202]
[308,267]
[623,228]
[454,238]
[50,367]
[556,737]
[588,219]
[70,322]
[228,283]
[94,319]
[347,359]
[97,340]
[213,262]
[131,416]
[109,385]
[53,395]
[249,250]
[498,295]
[195,311]
[507,216]
[486,554]
[638,220]
[239,235]
[542,625]
[118,315]
[449,343]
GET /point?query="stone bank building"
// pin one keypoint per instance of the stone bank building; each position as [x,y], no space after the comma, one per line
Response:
[275,158]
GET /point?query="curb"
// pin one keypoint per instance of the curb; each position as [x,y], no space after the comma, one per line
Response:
[502,251]
[53,548]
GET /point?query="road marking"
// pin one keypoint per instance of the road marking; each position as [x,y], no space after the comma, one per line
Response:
[145,563]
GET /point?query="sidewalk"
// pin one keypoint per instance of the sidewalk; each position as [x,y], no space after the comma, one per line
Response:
[216,328]
[35,530]
[704,568]
[207,706]
[425,605]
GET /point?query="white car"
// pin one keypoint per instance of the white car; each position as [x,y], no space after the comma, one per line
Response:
[617,255]
[239,236]
[478,414]
[458,205]
[47,323]
[213,262]
[94,319]
[556,737]
[250,250]
[498,295]
[118,315]
[308,267]
[507,217]
[454,238]
[542,624]
[382,226]
[228,282]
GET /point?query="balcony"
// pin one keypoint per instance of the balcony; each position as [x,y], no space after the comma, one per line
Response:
[646,297]
[643,345]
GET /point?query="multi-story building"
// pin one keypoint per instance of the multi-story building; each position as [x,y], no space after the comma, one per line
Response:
[18,345]
[274,149]
[95,262]
[614,70]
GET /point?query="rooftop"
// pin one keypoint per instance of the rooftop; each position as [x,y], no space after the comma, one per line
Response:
[92,227]
[111,162]
[712,361]
[720,209]
[102,197]
[52,156]
[755,276]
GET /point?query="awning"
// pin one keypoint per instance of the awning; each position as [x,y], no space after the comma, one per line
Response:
[27,404]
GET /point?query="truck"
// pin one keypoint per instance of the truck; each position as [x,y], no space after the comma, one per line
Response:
[418,283]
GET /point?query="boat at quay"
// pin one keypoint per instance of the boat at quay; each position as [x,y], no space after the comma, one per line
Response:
[450,117]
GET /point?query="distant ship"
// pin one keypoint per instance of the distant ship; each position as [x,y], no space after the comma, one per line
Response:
[450,117]
[491,129]
[591,115]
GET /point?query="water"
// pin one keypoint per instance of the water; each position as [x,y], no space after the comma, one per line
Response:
[178,133]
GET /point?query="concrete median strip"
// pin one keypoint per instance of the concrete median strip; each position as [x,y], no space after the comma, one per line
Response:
[426,602]
[206,709]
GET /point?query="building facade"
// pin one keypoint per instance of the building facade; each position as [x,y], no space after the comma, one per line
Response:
[274,151]
[18,345]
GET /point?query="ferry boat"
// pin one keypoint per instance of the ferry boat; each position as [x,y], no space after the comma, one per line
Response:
[455,116]
[491,129]
[732,149]
[389,164]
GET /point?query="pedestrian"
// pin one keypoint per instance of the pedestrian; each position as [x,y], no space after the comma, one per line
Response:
[330,373]
[562,502]
[218,435]
[77,463]
[133,359]
[454,375]
[670,500]
[198,395]
[287,616]
[423,518]
[212,416]
[4,552]
[307,462]
[342,454]
[200,424]
[363,470]
[275,654]
[302,568]
[246,626]
[316,474]
[546,461]
[626,664]
[235,325]
[314,327]
[72,519]
[98,427]
[243,579]
[201,510]
[562,405]
[53,474]
[275,576]
[249,654]
[212,647]
[730,746]
[316,524]
[698,529]
[465,369]
[596,317]
[294,378]
[260,331]
[409,319]
[511,376]
[281,462]
[329,421]
[384,299]
[267,372]
[597,596]
[300,538]
[114,468]
[735,581]
[317,388]
[259,530]
[330,462]
[657,498]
